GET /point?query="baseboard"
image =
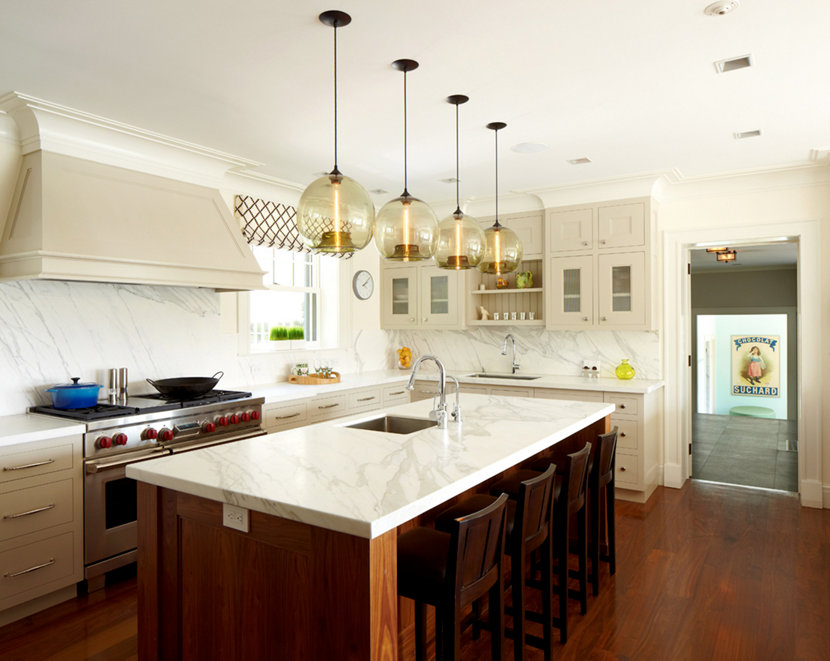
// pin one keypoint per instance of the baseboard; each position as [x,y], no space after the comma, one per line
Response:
[673,476]
[826,497]
[811,494]
[35,605]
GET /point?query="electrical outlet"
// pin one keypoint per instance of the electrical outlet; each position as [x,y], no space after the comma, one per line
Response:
[235,517]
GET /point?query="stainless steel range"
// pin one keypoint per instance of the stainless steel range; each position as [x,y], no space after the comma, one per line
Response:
[144,428]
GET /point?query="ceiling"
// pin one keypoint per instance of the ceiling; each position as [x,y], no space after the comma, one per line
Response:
[753,256]
[631,86]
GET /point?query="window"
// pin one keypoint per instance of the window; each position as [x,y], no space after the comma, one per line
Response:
[288,315]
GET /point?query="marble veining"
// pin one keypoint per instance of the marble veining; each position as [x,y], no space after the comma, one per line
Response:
[363,482]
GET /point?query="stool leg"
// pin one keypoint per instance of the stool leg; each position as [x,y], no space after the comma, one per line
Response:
[612,542]
[594,543]
[582,538]
[495,603]
[517,566]
[420,630]
[547,598]
[561,555]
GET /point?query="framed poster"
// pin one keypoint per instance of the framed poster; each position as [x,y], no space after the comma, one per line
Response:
[756,365]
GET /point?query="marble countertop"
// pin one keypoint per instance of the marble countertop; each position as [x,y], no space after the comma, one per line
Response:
[600,384]
[286,392]
[29,427]
[365,483]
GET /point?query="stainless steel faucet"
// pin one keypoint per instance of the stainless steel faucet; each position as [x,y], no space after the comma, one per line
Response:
[440,411]
[510,337]
[456,412]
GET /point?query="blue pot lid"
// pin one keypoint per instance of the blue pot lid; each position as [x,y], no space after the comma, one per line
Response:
[74,384]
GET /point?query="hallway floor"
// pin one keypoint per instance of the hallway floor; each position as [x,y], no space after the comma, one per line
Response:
[756,452]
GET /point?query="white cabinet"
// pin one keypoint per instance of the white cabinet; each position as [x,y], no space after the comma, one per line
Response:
[527,226]
[41,520]
[621,289]
[284,415]
[602,227]
[571,292]
[420,296]
[570,230]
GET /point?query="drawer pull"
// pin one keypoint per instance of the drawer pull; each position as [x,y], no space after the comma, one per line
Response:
[622,406]
[394,394]
[329,406]
[622,434]
[34,511]
[623,469]
[34,465]
[285,417]
[365,399]
[51,561]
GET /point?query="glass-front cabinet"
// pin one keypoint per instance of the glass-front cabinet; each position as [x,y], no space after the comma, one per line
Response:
[420,296]
[571,297]
[621,289]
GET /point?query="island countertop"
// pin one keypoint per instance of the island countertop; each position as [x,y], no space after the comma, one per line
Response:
[365,483]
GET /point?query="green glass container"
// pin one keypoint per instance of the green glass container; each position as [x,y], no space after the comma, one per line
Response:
[624,370]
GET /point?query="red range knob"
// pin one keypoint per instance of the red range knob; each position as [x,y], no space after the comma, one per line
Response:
[104,442]
[166,434]
[209,427]
[245,417]
[255,415]
[234,419]
[149,434]
[120,439]
[222,421]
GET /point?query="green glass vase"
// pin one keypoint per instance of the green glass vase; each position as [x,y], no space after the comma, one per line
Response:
[624,370]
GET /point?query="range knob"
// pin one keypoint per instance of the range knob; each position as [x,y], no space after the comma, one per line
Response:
[120,439]
[222,421]
[149,434]
[245,416]
[209,427]
[103,442]
[255,415]
[234,419]
[166,434]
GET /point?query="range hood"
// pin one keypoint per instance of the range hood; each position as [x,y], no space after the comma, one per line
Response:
[72,218]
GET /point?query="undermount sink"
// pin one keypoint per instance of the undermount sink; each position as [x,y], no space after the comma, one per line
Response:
[493,375]
[393,424]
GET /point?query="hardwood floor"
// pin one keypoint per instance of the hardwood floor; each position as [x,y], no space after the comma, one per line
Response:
[704,572]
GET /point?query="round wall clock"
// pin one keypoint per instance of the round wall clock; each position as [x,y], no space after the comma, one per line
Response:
[363,284]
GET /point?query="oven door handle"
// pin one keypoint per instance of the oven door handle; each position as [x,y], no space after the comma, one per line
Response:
[93,466]
[184,447]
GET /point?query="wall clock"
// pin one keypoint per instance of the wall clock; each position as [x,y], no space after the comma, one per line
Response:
[363,284]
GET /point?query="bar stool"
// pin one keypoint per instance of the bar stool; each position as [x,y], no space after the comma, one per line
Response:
[528,529]
[602,477]
[451,571]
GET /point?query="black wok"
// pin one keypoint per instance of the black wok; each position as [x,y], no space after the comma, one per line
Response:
[186,387]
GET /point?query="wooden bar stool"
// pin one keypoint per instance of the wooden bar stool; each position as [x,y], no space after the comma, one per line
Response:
[601,478]
[528,530]
[452,570]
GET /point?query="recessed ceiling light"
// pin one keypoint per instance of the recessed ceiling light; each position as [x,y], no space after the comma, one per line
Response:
[450,180]
[733,63]
[529,147]
[747,134]
[579,161]
[721,7]
[378,191]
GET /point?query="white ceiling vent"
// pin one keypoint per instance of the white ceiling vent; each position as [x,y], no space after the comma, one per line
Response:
[579,161]
[747,134]
[733,63]
[721,7]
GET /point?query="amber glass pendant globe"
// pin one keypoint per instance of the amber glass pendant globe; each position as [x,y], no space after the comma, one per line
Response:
[502,252]
[406,230]
[460,242]
[335,215]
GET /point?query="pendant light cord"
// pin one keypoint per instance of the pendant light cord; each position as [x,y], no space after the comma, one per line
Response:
[405,160]
[335,171]
[496,224]
[457,167]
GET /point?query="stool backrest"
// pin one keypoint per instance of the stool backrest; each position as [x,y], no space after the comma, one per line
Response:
[603,469]
[576,475]
[533,509]
[478,541]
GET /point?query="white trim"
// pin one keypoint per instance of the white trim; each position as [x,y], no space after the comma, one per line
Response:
[677,326]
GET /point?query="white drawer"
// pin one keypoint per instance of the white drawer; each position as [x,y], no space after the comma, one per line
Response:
[506,391]
[627,405]
[23,511]
[397,394]
[36,568]
[575,395]
[628,436]
[627,470]
[474,388]
[364,399]
[37,459]
[284,416]
[325,408]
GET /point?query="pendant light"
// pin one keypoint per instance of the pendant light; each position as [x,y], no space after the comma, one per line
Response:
[460,239]
[335,213]
[503,250]
[406,229]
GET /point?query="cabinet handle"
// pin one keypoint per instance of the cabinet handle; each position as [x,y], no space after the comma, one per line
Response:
[584,318]
[285,417]
[622,434]
[328,406]
[426,319]
[622,406]
[603,318]
[584,243]
[623,469]
[51,561]
[34,511]
[400,392]
[20,468]
[602,242]
[365,399]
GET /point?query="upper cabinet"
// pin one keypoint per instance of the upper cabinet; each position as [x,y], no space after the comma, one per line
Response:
[420,296]
[598,258]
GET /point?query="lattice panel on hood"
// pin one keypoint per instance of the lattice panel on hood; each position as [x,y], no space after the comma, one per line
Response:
[272,224]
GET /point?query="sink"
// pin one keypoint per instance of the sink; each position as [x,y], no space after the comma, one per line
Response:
[493,375]
[394,424]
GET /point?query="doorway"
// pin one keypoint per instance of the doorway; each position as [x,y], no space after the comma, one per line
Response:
[744,426]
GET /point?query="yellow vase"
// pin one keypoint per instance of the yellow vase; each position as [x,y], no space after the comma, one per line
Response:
[624,370]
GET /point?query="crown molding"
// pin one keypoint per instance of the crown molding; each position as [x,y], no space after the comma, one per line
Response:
[638,185]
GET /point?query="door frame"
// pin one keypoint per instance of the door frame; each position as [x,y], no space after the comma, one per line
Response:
[677,322]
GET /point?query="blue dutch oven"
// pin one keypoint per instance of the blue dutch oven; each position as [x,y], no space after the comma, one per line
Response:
[74,395]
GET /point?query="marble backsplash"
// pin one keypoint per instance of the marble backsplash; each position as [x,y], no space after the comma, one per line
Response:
[539,351]
[51,331]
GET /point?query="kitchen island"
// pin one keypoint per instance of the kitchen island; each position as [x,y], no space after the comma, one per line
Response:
[314,576]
